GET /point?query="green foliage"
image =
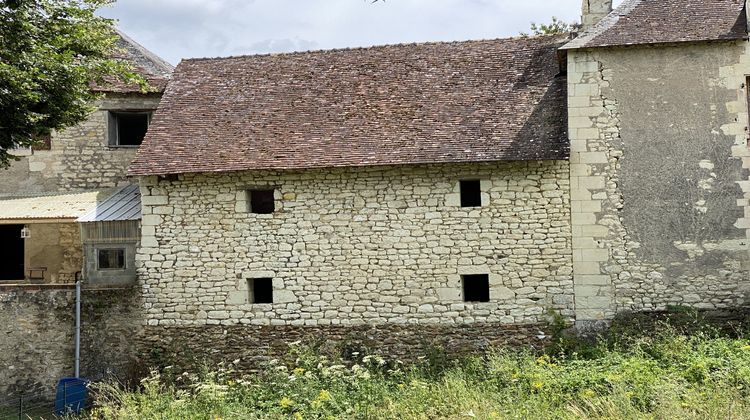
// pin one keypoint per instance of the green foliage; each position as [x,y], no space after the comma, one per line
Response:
[50,53]
[662,374]
[555,27]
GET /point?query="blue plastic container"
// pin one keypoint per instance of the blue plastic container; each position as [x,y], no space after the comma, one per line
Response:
[72,396]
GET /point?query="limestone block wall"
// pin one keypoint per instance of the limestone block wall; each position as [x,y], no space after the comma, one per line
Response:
[80,157]
[658,178]
[358,246]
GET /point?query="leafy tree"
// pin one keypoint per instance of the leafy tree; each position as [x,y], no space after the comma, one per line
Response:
[51,51]
[557,26]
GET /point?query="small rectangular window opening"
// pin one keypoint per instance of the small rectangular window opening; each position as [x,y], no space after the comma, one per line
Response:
[111,259]
[261,201]
[128,128]
[476,287]
[471,193]
[261,290]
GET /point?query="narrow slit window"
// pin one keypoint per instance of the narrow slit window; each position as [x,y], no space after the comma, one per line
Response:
[471,193]
[261,201]
[111,259]
[476,287]
[261,290]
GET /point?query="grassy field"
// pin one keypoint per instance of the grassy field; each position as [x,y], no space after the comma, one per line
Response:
[659,373]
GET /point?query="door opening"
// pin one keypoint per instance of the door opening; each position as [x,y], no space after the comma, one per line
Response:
[11,252]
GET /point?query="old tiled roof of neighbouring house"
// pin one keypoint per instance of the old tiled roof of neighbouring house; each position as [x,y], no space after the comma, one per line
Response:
[466,101]
[638,22]
[145,63]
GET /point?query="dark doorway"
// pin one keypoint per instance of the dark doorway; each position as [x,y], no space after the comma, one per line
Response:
[11,252]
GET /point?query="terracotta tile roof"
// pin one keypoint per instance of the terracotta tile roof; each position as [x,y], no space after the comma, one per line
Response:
[156,71]
[666,21]
[399,104]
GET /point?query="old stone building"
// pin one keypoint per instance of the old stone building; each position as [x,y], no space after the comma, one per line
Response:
[69,212]
[438,194]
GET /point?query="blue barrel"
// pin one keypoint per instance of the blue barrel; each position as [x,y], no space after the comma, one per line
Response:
[71,396]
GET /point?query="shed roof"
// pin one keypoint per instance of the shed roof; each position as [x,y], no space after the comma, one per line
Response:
[638,22]
[49,207]
[125,204]
[466,101]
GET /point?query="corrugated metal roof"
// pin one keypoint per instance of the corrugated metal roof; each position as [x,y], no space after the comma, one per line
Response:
[50,206]
[122,205]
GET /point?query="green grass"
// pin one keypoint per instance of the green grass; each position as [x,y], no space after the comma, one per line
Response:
[662,374]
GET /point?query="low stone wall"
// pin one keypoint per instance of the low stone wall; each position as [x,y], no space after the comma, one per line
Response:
[186,348]
[37,330]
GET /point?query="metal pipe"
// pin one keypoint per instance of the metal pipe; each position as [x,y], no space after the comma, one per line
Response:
[78,328]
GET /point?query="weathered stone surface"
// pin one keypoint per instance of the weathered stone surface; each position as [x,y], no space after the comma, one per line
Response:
[37,327]
[359,246]
[657,178]
[80,157]
[185,347]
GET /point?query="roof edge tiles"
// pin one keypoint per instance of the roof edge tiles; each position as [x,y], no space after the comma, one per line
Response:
[653,22]
[426,103]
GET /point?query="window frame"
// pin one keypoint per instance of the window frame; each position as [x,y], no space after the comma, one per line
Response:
[124,267]
[113,132]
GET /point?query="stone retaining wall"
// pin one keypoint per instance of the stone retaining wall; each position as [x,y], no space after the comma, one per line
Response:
[37,327]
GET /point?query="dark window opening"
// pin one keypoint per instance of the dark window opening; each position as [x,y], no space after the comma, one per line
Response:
[471,194]
[261,201]
[111,259]
[476,287]
[261,290]
[11,252]
[128,128]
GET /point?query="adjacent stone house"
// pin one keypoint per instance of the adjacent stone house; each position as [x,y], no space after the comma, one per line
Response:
[48,188]
[68,212]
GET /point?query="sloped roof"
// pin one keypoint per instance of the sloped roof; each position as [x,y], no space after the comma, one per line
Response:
[400,104]
[49,206]
[638,22]
[148,65]
[125,204]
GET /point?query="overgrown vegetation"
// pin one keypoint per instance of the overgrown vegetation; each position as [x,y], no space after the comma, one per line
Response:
[661,371]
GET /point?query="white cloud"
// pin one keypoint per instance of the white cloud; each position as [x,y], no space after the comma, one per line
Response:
[207,28]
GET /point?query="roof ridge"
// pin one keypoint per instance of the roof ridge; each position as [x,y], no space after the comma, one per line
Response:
[607,22]
[155,59]
[373,47]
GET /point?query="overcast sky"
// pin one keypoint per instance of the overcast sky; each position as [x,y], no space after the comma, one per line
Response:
[176,29]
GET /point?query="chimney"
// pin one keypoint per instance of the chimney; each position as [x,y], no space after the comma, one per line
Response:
[594,11]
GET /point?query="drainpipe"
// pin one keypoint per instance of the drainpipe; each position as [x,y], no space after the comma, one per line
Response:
[78,328]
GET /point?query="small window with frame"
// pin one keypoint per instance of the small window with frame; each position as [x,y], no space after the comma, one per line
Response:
[110,259]
[261,201]
[128,128]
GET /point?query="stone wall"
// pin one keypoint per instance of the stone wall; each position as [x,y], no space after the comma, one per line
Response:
[358,246]
[658,137]
[185,348]
[37,327]
[80,157]
[57,248]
